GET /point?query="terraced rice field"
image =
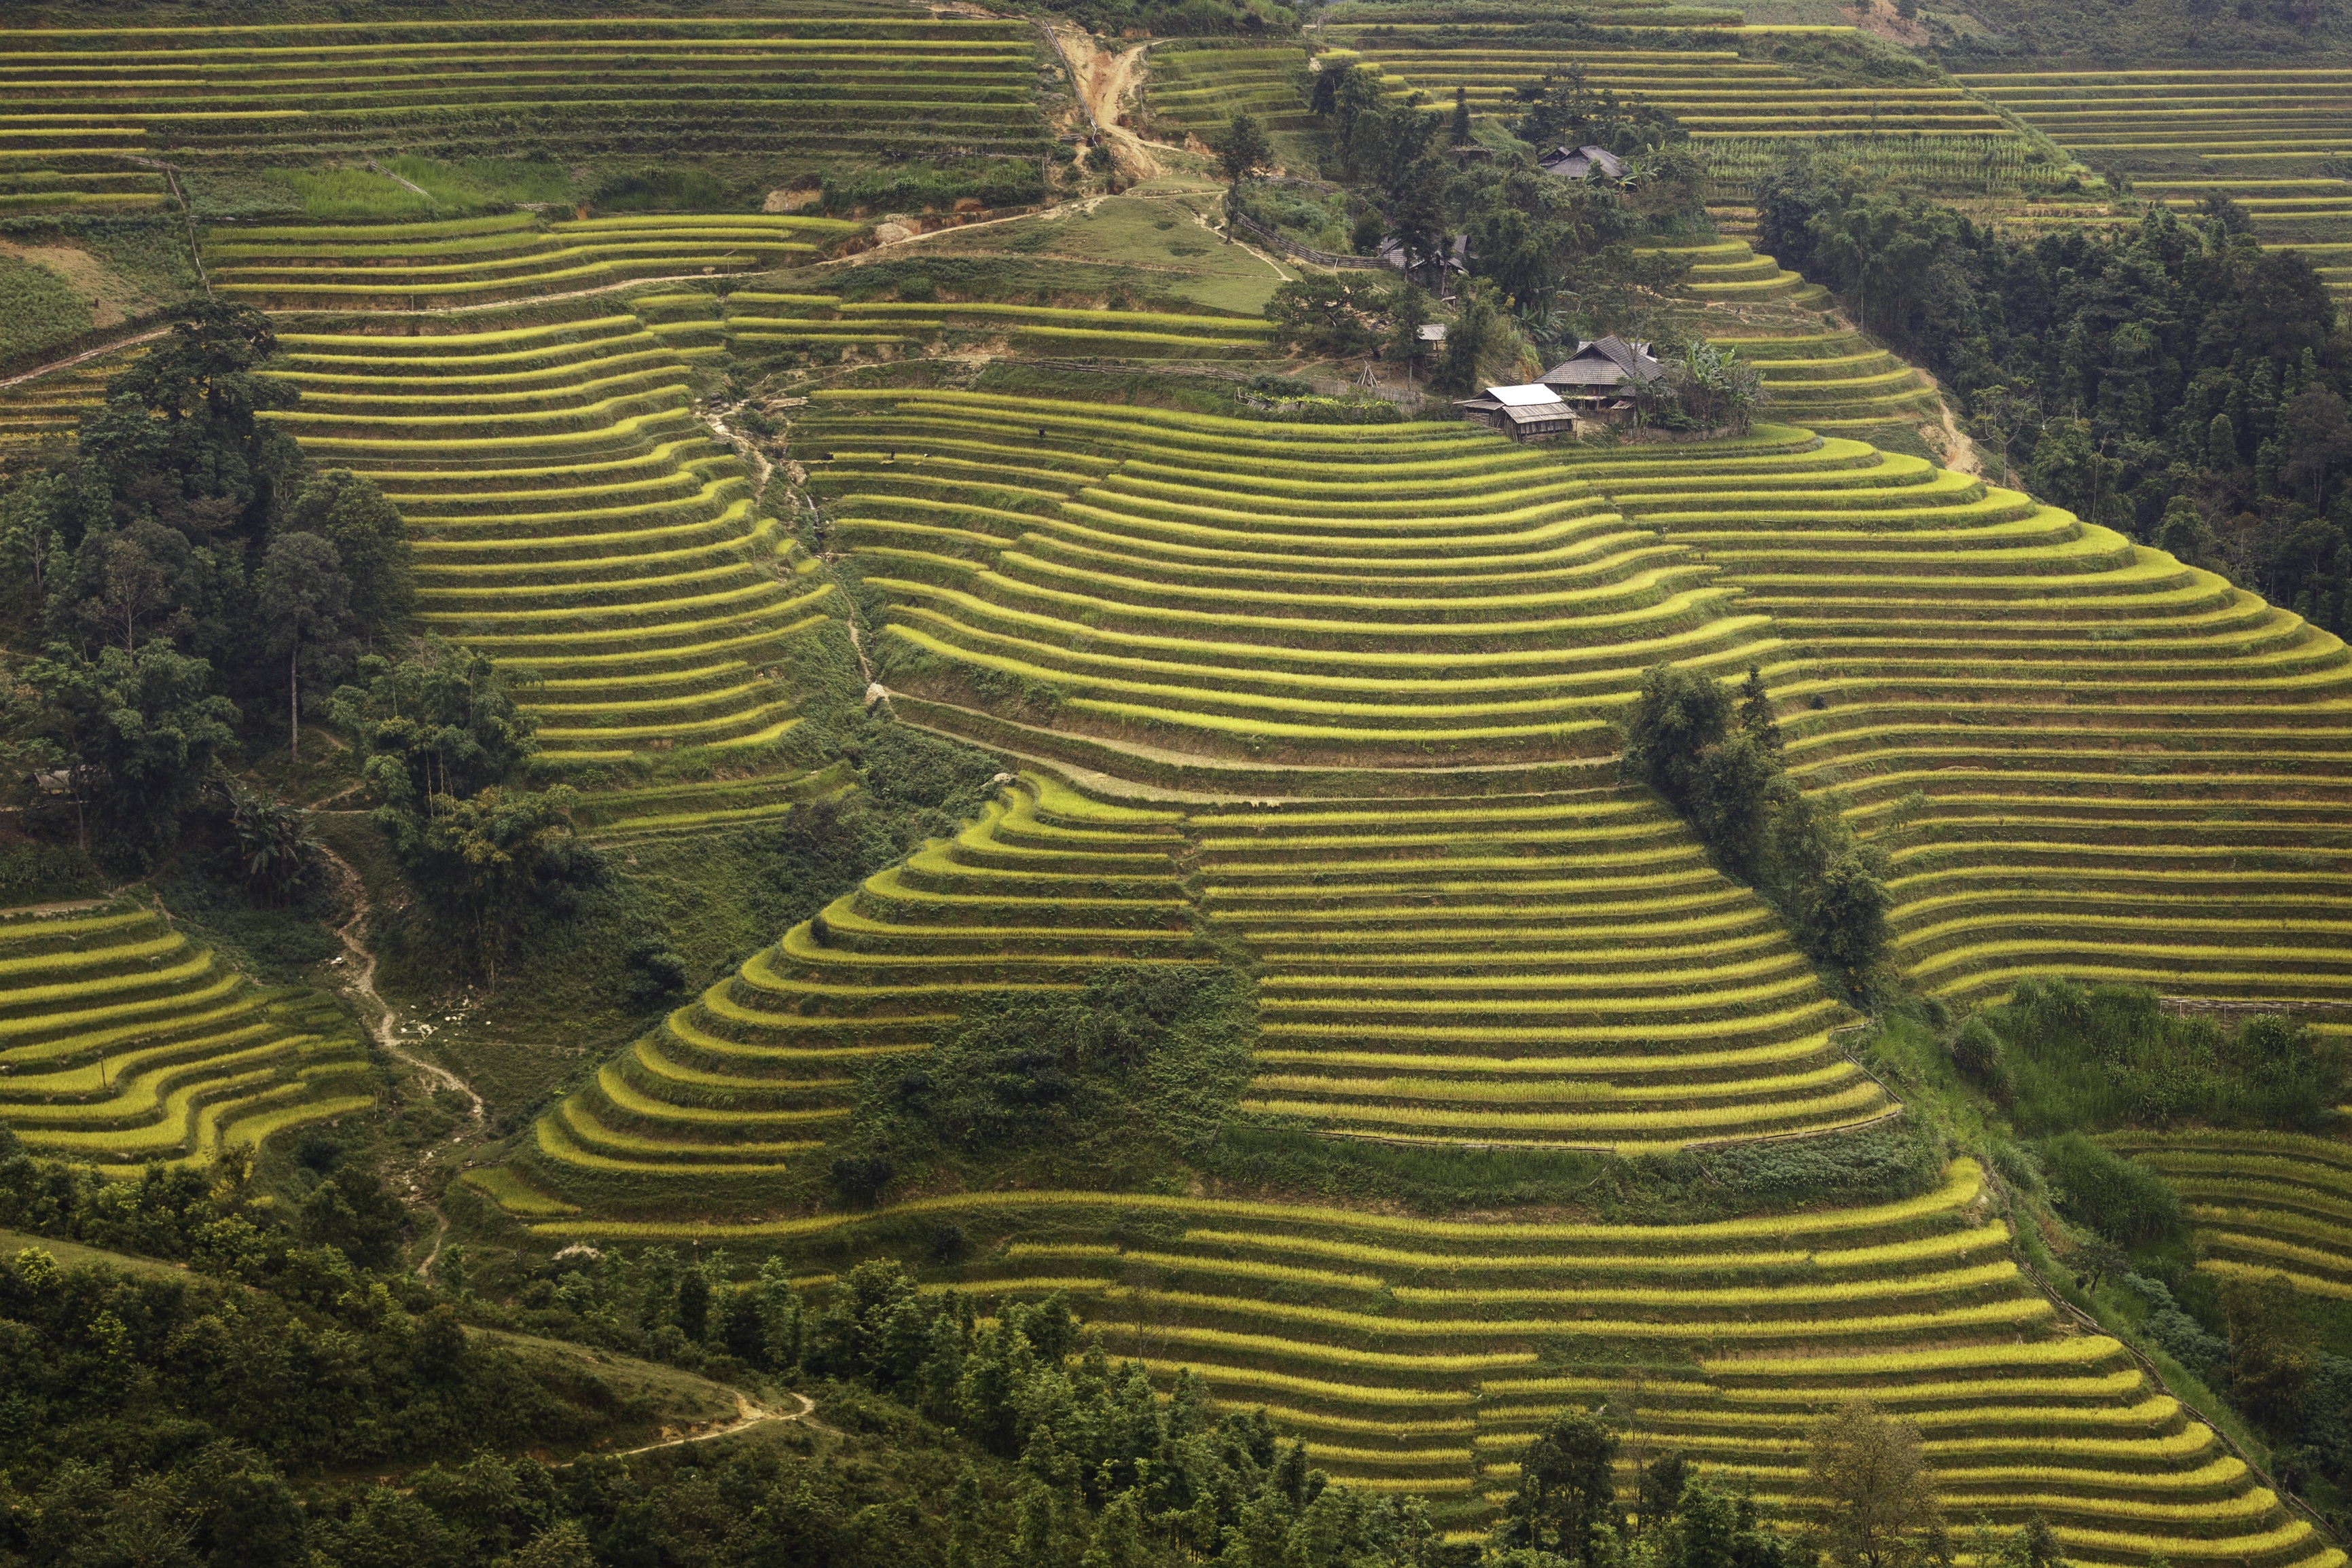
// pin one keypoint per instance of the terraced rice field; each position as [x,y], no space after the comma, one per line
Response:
[2127,768]
[1729,271]
[571,517]
[50,406]
[1321,609]
[1198,91]
[2261,1203]
[829,88]
[35,179]
[735,1087]
[2259,137]
[1825,379]
[1748,114]
[1421,1355]
[761,324]
[1396,709]
[465,262]
[124,1041]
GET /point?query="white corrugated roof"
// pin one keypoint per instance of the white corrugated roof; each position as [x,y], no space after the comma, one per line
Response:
[1521,397]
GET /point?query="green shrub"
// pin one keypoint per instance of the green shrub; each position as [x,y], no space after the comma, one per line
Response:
[36,872]
[649,190]
[2120,1198]
[1143,1058]
[2110,1056]
[1978,1051]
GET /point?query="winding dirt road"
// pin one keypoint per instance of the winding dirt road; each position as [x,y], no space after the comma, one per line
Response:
[748,1416]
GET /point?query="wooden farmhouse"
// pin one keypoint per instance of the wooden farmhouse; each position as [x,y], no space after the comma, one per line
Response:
[1529,412]
[1594,380]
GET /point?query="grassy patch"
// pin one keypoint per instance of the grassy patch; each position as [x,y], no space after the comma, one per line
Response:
[37,309]
[1160,238]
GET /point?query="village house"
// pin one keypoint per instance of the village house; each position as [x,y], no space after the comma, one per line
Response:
[1594,380]
[1529,412]
[1578,163]
[1453,262]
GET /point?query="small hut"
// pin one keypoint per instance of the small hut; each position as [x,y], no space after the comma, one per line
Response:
[1530,413]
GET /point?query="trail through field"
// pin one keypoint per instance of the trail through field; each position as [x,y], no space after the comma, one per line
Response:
[374,168]
[361,984]
[1245,245]
[103,348]
[746,1416]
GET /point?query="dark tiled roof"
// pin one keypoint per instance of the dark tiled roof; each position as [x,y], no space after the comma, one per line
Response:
[1609,362]
[1575,162]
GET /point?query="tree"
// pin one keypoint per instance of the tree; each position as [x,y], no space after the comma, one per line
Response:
[131,597]
[2317,433]
[1877,1497]
[1478,332]
[1568,1490]
[1755,713]
[272,843]
[1738,779]
[1678,714]
[178,438]
[1327,313]
[351,513]
[2184,534]
[304,604]
[1658,1498]
[1461,126]
[492,859]
[564,1545]
[131,736]
[1243,146]
[1714,387]
[1832,886]
[39,516]
[442,723]
[1407,308]
[1712,1529]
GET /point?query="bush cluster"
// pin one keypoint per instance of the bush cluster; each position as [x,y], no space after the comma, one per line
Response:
[1141,1062]
[1729,783]
[2062,1057]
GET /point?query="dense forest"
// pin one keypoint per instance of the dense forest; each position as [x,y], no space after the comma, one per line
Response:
[2173,381]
